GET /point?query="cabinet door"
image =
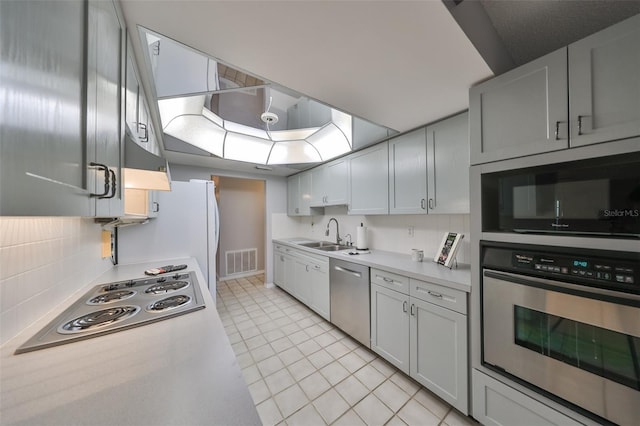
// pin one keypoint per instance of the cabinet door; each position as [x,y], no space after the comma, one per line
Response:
[289,274]
[438,348]
[43,167]
[104,62]
[604,84]
[390,326]
[337,182]
[318,191]
[154,204]
[299,195]
[408,173]
[278,268]
[301,284]
[517,113]
[132,88]
[293,195]
[448,165]
[320,300]
[496,404]
[369,180]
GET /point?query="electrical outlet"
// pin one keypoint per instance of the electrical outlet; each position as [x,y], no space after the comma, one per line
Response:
[410,231]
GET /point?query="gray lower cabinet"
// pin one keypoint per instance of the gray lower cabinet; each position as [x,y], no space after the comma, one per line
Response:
[369,180]
[390,326]
[423,331]
[303,275]
[496,404]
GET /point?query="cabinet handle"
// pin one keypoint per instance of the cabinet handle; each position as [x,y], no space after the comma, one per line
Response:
[412,311]
[156,206]
[422,204]
[297,210]
[404,306]
[557,130]
[316,267]
[388,280]
[113,185]
[107,178]
[145,138]
[307,267]
[432,203]
[438,295]
[349,271]
[580,124]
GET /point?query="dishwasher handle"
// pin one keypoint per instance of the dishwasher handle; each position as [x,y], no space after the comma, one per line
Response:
[348,271]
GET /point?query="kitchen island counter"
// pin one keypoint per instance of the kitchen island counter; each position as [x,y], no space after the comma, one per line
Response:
[179,371]
[458,277]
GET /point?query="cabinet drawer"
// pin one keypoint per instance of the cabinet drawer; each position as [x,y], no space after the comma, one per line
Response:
[390,280]
[446,297]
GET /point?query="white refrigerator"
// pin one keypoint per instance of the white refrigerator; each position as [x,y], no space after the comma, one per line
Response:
[187,226]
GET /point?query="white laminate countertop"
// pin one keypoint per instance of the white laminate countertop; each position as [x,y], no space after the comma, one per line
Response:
[458,278]
[179,371]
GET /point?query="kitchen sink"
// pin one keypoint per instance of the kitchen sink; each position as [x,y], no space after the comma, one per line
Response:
[334,247]
[325,246]
[318,244]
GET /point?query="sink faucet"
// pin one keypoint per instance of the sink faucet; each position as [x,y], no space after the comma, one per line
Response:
[338,239]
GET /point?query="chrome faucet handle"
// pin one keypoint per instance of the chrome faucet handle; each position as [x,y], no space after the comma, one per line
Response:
[350,243]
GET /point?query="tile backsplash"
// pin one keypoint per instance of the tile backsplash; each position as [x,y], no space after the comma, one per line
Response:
[43,261]
[384,232]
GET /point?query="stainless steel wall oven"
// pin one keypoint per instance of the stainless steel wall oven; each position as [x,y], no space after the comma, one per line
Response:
[566,323]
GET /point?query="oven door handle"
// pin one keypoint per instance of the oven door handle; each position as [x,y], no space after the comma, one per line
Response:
[569,288]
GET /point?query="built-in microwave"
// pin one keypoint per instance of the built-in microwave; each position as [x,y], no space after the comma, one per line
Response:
[598,197]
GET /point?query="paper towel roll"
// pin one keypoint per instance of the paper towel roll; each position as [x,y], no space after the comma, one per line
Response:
[361,238]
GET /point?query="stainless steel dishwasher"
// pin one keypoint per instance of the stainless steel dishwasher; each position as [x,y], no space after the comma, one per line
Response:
[349,283]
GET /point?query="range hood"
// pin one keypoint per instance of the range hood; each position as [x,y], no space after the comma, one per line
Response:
[144,170]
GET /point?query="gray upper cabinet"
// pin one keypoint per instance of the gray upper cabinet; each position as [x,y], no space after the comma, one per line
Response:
[448,165]
[104,107]
[299,195]
[586,93]
[42,166]
[408,173]
[521,112]
[59,121]
[604,84]
[429,169]
[139,124]
[329,184]
[369,180]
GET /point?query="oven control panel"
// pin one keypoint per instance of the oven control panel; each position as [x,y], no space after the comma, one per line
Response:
[614,270]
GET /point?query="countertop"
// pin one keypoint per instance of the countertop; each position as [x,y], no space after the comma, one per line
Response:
[458,277]
[180,371]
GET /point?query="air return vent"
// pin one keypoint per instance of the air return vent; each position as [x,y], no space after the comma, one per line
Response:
[241,261]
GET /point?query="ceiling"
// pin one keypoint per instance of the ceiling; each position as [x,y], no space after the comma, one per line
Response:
[400,64]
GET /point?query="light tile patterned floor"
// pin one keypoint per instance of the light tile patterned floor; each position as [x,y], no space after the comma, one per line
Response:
[301,370]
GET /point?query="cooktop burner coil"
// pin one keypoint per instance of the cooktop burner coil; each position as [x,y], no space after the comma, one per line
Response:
[167,287]
[98,319]
[169,303]
[114,296]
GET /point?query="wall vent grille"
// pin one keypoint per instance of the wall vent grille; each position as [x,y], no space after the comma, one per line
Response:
[241,261]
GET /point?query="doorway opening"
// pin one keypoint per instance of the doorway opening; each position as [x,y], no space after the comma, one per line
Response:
[242,214]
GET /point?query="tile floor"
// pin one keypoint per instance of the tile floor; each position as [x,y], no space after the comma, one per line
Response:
[301,370]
